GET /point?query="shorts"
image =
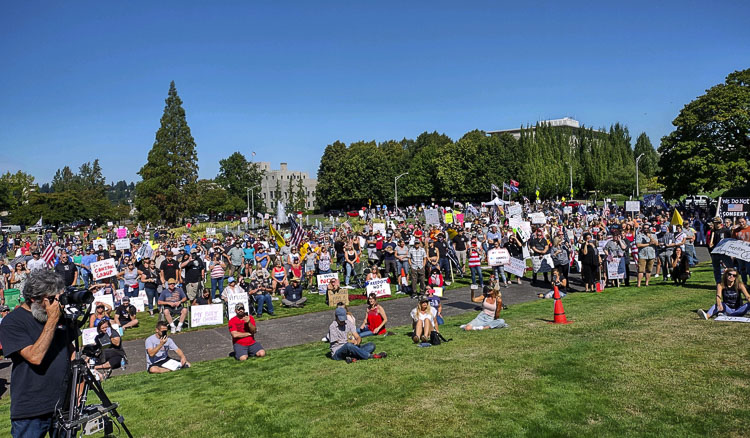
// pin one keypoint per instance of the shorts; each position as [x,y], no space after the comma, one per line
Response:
[249,350]
[645,265]
[159,363]
[192,290]
[174,311]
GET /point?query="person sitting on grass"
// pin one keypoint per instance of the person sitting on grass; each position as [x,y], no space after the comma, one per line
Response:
[110,357]
[203,298]
[345,342]
[557,280]
[242,328]
[293,294]
[729,294]
[171,300]
[489,317]
[278,274]
[158,346]
[102,311]
[375,319]
[424,321]
[679,267]
[435,303]
[261,292]
[125,314]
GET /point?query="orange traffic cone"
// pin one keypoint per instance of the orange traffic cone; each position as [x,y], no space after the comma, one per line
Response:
[560,317]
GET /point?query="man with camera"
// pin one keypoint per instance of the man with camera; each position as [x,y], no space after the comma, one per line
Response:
[41,350]
[158,347]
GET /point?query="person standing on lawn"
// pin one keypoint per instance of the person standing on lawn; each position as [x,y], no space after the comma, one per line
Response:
[242,328]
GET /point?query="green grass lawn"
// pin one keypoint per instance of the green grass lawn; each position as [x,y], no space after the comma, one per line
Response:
[636,362]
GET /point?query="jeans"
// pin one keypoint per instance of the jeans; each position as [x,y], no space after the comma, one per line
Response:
[402,265]
[485,320]
[85,274]
[692,256]
[500,273]
[33,427]
[151,296]
[131,292]
[260,300]
[360,352]
[717,260]
[729,311]
[216,284]
[742,268]
[445,267]
[366,332]
[349,268]
[476,271]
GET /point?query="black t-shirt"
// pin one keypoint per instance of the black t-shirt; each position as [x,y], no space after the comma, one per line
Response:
[442,249]
[105,339]
[169,267]
[390,254]
[123,312]
[432,251]
[193,271]
[339,246]
[201,301]
[538,243]
[460,242]
[66,271]
[34,389]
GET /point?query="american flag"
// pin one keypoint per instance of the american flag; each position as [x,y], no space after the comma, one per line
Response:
[297,232]
[49,255]
[734,207]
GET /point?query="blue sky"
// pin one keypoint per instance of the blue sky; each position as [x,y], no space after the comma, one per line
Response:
[85,80]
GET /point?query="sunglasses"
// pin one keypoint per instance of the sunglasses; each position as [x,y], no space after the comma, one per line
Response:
[732,274]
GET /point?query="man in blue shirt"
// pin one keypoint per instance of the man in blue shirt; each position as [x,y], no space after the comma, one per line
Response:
[86,262]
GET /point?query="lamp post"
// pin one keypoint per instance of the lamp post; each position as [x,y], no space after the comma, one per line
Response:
[395,188]
[637,187]
[570,163]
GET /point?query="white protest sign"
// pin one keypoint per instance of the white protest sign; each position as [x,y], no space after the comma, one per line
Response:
[209,314]
[542,263]
[438,291]
[733,248]
[616,269]
[633,206]
[233,299]
[88,336]
[100,242]
[324,279]
[109,224]
[103,269]
[139,304]
[379,227]
[122,244]
[210,231]
[119,294]
[104,299]
[538,218]
[567,210]
[498,256]
[243,219]
[602,244]
[732,318]
[431,217]
[526,253]
[379,286]
[515,266]
[515,210]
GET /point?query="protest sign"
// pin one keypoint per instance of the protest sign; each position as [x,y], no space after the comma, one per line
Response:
[109,223]
[379,226]
[211,231]
[526,253]
[733,248]
[734,207]
[208,314]
[567,210]
[122,244]
[438,291]
[634,206]
[616,269]
[99,242]
[88,336]
[243,219]
[431,217]
[139,303]
[379,286]
[342,296]
[537,218]
[103,269]
[732,318]
[459,217]
[515,222]
[448,218]
[542,263]
[498,256]
[324,279]
[515,266]
[119,294]
[602,244]
[105,299]
[515,210]
[233,299]
[122,232]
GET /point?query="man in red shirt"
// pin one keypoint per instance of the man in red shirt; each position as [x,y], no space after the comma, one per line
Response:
[242,328]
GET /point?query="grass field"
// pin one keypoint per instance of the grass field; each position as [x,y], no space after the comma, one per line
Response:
[636,362]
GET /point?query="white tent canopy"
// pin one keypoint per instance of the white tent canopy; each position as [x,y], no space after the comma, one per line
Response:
[496,202]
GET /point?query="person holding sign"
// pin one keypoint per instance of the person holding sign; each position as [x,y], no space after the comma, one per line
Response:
[171,300]
[242,328]
[375,319]
[729,294]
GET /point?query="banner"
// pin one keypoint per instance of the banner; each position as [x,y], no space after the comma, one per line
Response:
[634,206]
[324,279]
[542,263]
[732,318]
[515,266]
[379,286]
[88,336]
[538,218]
[498,256]
[233,299]
[99,242]
[515,210]
[733,248]
[209,314]
[431,217]
[103,269]
[122,244]
[616,269]
[734,207]
[122,233]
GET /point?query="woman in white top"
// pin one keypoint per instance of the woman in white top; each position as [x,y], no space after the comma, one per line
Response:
[424,321]
[489,317]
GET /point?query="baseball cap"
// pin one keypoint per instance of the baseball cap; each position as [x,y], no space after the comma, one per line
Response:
[231,280]
[4,308]
[125,299]
[239,306]
[171,281]
[340,314]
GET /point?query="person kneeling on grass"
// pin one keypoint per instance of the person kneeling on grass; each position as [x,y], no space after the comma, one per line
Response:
[729,296]
[157,352]
[489,317]
[345,342]
[424,319]
[242,328]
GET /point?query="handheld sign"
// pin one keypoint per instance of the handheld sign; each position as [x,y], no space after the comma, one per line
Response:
[209,314]
[515,210]
[122,233]
[431,216]
[122,244]
[616,269]
[379,286]
[88,336]
[233,299]
[103,269]
[515,266]
[210,231]
[107,299]
[324,279]
[538,218]
[634,206]
[100,242]
[498,256]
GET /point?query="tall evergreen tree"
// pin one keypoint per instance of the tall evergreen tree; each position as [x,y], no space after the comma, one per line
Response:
[168,189]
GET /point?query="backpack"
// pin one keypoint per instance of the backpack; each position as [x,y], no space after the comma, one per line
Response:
[436,338]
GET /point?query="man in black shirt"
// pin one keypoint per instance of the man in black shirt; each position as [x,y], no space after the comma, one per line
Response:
[195,274]
[125,314]
[169,269]
[444,263]
[539,247]
[459,244]
[66,269]
[293,294]
[40,349]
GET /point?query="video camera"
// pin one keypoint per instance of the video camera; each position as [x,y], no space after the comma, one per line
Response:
[76,297]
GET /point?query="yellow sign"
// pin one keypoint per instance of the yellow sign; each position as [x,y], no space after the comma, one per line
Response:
[448,218]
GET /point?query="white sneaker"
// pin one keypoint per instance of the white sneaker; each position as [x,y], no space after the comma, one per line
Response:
[447,283]
[179,328]
[702,313]
[462,326]
[274,298]
[216,301]
[172,329]
[325,339]
[400,293]
[656,276]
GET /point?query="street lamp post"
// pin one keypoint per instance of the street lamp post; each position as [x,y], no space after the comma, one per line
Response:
[637,187]
[395,188]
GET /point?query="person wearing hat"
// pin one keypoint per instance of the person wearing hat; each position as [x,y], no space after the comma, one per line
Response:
[36,263]
[172,301]
[232,288]
[646,243]
[346,343]
[125,314]
[293,294]
[242,328]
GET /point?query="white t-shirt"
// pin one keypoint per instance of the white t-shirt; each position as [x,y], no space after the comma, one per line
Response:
[422,316]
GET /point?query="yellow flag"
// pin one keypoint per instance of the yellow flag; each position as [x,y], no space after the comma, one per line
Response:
[452,233]
[276,235]
[303,251]
[676,218]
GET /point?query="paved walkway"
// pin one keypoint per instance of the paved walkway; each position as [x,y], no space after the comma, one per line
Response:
[276,333]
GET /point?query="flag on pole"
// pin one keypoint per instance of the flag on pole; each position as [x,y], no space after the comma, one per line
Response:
[39,222]
[676,218]
[276,235]
[297,233]
[495,188]
[514,183]
[49,255]
[514,189]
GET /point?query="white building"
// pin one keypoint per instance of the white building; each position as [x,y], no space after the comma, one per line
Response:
[282,178]
[564,122]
